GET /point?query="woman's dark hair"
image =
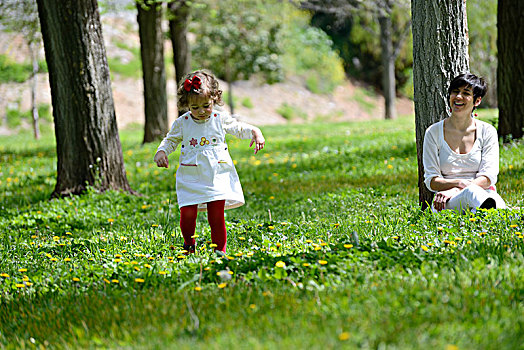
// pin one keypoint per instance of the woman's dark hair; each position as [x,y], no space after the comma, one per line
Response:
[478,85]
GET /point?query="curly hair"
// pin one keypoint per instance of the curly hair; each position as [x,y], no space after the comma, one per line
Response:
[208,88]
[477,84]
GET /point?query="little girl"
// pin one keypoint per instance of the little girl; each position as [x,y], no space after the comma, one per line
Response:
[206,177]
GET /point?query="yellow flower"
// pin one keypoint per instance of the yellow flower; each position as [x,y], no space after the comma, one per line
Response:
[20,285]
[305,264]
[238,254]
[242,238]
[343,336]
[513,226]
[323,244]
[452,347]
[162,272]
[252,306]
[147,266]
[317,248]
[117,260]
[110,220]
[271,227]
[115,281]
[194,236]
[68,233]
[22,270]
[213,245]
[280,264]
[390,166]
[118,255]
[472,219]
[25,278]
[67,259]
[137,268]
[440,228]
[56,238]
[76,279]
[198,289]
[322,262]
[154,225]
[336,225]
[309,241]
[222,285]
[424,248]
[139,280]
[207,268]
[348,246]
[4,275]
[106,280]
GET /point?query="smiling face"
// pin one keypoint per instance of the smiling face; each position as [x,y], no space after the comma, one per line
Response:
[200,107]
[461,100]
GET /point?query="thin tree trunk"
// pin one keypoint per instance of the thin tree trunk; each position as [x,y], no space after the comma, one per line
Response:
[440,52]
[154,76]
[510,71]
[179,12]
[34,84]
[87,140]
[388,66]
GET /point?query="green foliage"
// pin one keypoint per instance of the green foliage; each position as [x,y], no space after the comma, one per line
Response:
[309,54]
[11,71]
[330,251]
[290,112]
[235,40]
[482,30]
[246,102]
[129,69]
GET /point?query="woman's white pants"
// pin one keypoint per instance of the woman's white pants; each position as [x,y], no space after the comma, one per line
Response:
[473,197]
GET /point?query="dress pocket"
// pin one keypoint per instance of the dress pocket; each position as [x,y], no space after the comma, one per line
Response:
[189,172]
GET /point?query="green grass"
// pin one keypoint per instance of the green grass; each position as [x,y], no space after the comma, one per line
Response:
[105,269]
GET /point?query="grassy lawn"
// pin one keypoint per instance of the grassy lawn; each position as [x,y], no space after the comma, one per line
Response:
[330,251]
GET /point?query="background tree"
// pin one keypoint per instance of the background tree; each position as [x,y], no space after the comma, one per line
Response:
[378,17]
[510,72]
[440,52]
[21,16]
[236,39]
[179,12]
[87,140]
[153,67]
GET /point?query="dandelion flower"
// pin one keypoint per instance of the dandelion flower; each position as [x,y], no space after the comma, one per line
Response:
[336,225]
[20,285]
[207,268]
[117,260]
[213,245]
[139,280]
[252,306]
[343,336]
[271,227]
[68,233]
[322,262]
[472,219]
[348,246]
[309,241]
[241,238]
[162,272]
[513,226]
[76,279]
[4,275]
[305,264]
[198,289]
[106,281]
[22,270]
[110,220]
[424,248]
[222,285]
[280,264]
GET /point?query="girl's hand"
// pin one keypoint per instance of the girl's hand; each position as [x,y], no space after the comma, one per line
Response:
[161,159]
[462,183]
[442,197]
[258,140]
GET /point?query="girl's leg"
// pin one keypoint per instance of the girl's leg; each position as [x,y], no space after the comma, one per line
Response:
[215,216]
[188,216]
[472,197]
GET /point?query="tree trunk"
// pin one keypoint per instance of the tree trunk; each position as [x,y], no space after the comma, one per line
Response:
[154,75]
[510,71]
[87,140]
[179,17]
[440,52]
[388,66]
[33,48]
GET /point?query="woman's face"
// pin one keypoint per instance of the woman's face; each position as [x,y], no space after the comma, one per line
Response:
[461,99]
[200,107]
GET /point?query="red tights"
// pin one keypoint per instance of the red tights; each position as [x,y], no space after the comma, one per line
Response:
[215,216]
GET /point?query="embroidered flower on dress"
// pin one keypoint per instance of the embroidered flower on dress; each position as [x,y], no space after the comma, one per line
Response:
[193,142]
[204,141]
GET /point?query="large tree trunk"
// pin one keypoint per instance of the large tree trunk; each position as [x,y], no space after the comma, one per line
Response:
[179,17]
[154,75]
[510,71]
[87,140]
[388,66]
[440,52]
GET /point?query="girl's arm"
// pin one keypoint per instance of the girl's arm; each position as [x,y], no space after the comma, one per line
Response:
[243,131]
[489,164]
[169,144]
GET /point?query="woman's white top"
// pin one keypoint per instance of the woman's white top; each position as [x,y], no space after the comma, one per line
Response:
[206,171]
[441,161]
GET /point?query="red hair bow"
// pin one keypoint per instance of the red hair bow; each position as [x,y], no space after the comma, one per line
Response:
[192,84]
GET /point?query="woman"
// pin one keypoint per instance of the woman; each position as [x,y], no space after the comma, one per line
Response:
[461,154]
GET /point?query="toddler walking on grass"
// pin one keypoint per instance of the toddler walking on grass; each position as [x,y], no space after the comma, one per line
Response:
[206,178]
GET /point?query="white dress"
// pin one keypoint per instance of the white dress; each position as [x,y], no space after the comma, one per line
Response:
[206,171]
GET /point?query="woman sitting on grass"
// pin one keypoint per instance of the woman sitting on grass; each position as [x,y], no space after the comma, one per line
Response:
[461,153]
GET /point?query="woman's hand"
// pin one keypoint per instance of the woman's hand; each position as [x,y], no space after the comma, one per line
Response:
[161,159]
[258,140]
[442,197]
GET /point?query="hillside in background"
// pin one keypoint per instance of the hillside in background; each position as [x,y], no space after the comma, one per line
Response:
[256,102]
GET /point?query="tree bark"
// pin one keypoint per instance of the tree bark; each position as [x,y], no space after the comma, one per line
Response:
[440,52]
[87,141]
[154,75]
[510,71]
[179,12]
[388,66]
